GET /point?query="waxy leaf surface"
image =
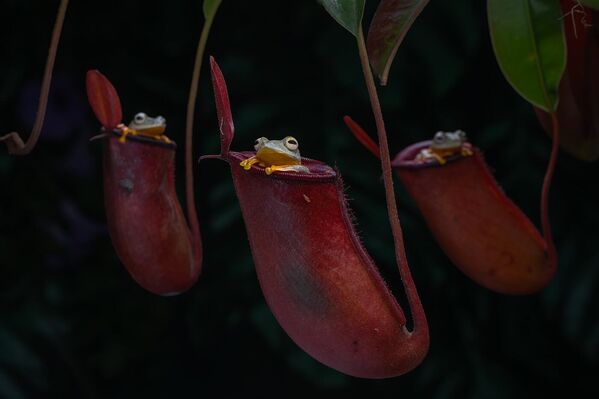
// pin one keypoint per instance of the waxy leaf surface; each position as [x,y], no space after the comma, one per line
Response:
[348,13]
[103,98]
[317,279]
[391,22]
[528,40]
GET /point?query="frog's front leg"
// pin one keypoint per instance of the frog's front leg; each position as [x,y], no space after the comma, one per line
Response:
[125,131]
[247,163]
[427,154]
[286,168]
[466,151]
[163,137]
[439,158]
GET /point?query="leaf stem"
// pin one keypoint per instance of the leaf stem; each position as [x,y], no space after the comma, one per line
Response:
[192,216]
[546,225]
[14,142]
[418,316]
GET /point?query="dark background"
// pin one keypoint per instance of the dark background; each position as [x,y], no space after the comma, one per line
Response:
[74,324]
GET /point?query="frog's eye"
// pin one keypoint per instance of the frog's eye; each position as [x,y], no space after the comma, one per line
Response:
[260,142]
[462,135]
[439,137]
[139,118]
[291,143]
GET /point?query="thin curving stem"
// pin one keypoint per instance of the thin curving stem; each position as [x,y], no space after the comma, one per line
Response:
[14,142]
[192,217]
[418,316]
[546,225]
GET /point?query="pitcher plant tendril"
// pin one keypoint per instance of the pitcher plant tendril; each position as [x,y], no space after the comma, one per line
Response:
[419,318]
[13,140]
[193,94]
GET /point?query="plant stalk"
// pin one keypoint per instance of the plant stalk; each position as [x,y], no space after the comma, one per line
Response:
[418,315]
[14,142]
[192,217]
[546,225]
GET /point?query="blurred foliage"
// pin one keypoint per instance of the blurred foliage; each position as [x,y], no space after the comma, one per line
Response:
[74,324]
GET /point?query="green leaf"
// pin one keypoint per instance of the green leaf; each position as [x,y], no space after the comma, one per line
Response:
[590,3]
[391,22]
[210,8]
[529,44]
[348,13]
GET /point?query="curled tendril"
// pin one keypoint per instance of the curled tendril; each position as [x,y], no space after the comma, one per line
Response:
[14,142]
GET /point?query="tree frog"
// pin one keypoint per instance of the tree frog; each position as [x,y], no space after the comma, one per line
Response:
[144,125]
[445,144]
[276,155]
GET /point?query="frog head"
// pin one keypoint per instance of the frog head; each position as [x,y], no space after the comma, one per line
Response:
[259,143]
[146,125]
[278,152]
[448,140]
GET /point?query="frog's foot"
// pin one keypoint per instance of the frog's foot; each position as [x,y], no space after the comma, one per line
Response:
[125,131]
[247,163]
[439,158]
[162,137]
[466,150]
[426,155]
[286,168]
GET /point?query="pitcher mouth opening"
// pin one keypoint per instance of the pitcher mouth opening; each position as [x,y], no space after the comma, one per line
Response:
[407,158]
[138,138]
[318,171]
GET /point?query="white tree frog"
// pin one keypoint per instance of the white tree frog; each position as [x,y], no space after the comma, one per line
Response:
[445,144]
[276,155]
[144,125]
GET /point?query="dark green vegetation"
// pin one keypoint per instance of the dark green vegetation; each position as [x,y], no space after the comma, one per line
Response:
[74,324]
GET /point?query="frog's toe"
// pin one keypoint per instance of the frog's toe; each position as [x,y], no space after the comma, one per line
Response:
[288,168]
[247,163]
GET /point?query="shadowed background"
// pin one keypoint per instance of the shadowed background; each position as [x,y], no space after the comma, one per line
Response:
[74,324]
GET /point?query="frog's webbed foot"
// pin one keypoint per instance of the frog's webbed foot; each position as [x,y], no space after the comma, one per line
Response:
[247,163]
[125,131]
[162,137]
[426,154]
[439,158]
[466,151]
[286,168]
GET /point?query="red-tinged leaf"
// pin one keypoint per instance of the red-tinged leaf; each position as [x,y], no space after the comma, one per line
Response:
[484,234]
[391,22]
[316,276]
[145,221]
[103,98]
[223,107]
[578,108]
[362,136]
